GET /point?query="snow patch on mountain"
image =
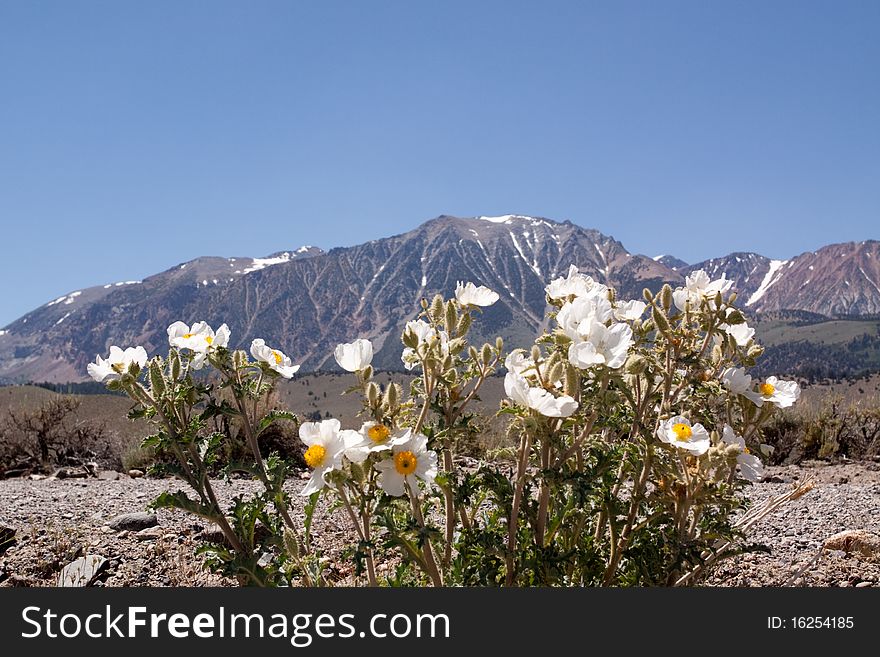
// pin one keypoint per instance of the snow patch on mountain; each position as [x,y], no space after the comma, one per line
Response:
[769,279]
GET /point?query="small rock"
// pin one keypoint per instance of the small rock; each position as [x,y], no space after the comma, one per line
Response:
[135,474]
[773,479]
[37,477]
[863,585]
[855,541]
[71,473]
[83,571]
[133,521]
[108,475]
[843,480]
[149,534]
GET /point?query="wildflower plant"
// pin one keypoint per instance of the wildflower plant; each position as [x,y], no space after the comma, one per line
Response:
[635,429]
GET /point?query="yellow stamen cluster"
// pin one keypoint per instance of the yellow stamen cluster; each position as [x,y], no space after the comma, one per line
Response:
[187,336]
[682,431]
[767,389]
[315,455]
[405,462]
[209,339]
[118,367]
[378,433]
[277,356]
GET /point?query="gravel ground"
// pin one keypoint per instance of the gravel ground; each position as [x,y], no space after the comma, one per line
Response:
[58,520]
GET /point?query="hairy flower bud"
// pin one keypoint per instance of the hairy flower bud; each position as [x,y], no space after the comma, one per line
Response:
[437,309]
[464,324]
[157,381]
[499,344]
[174,364]
[572,382]
[635,364]
[536,353]
[646,293]
[486,353]
[735,317]
[660,320]
[555,372]
[451,318]
[373,394]
[392,396]
[666,296]
[456,346]
[367,373]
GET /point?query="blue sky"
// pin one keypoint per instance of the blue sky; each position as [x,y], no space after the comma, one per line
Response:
[136,135]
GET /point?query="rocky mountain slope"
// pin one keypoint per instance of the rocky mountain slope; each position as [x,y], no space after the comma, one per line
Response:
[306,301]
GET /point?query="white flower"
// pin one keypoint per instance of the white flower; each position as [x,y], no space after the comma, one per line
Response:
[741,333]
[274,358]
[736,380]
[628,311]
[574,284]
[750,466]
[679,432]
[199,338]
[117,363]
[697,287]
[603,346]
[519,363]
[538,399]
[576,318]
[469,294]
[775,391]
[354,356]
[410,459]
[324,453]
[425,334]
[373,437]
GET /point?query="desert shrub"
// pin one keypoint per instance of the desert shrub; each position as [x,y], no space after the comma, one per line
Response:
[51,436]
[634,428]
[831,429]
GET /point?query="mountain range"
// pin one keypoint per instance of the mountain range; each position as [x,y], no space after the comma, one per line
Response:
[306,300]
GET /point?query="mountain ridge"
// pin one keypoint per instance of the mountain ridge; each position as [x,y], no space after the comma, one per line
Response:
[306,300]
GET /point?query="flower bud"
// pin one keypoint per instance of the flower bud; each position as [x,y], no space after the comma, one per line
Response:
[451,318]
[367,373]
[157,381]
[290,542]
[464,324]
[174,362]
[571,384]
[536,353]
[555,372]
[373,394]
[392,396]
[612,295]
[646,293]
[239,359]
[437,309]
[499,344]
[732,298]
[635,364]
[666,296]
[660,320]
[486,354]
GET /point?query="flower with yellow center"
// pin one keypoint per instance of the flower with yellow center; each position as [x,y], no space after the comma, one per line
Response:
[199,338]
[275,359]
[325,446]
[749,466]
[117,363]
[315,455]
[775,391]
[410,461]
[405,462]
[680,432]
[371,439]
